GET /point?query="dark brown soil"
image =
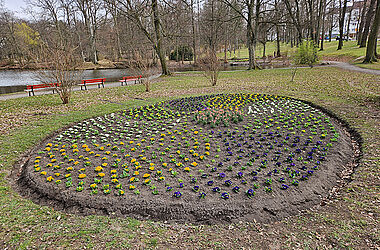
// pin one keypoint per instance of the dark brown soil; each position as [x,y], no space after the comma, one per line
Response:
[262,207]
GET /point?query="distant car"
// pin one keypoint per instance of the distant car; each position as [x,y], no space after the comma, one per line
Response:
[344,38]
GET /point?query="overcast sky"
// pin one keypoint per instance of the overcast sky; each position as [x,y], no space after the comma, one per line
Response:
[15,6]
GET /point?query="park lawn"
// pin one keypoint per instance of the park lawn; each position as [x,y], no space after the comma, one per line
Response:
[271,47]
[375,65]
[348,220]
[349,52]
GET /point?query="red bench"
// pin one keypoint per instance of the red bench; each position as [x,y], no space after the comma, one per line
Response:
[99,82]
[43,86]
[130,78]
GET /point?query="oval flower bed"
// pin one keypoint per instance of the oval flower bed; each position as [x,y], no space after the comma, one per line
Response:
[198,159]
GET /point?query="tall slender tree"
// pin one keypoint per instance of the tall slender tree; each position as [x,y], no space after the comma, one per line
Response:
[361,21]
[294,13]
[341,22]
[367,25]
[147,18]
[250,13]
[372,39]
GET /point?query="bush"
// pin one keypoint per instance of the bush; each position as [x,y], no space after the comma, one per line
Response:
[306,54]
[210,65]
[184,51]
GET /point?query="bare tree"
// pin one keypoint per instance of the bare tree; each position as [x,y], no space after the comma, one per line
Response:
[111,6]
[10,45]
[368,21]
[142,65]
[372,39]
[210,65]
[147,18]
[91,13]
[250,13]
[342,15]
[58,68]
[294,13]
[362,21]
[323,24]
[49,9]
[349,18]
[193,30]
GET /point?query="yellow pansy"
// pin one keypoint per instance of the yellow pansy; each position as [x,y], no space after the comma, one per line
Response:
[146,175]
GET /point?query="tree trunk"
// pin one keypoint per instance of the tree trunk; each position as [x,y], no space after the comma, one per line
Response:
[367,25]
[311,19]
[183,54]
[256,27]
[330,31]
[94,56]
[331,22]
[320,14]
[264,48]
[225,51]
[176,52]
[251,52]
[372,39]
[341,24]
[295,19]
[278,53]
[250,37]
[349,19]
[376,55]
[118,44]
[323,25]
[361,25]
[158,46]
[193,31]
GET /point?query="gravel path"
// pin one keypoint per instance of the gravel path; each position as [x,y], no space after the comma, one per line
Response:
[347,66]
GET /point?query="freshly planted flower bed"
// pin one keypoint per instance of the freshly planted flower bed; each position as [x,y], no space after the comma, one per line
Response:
[199,159]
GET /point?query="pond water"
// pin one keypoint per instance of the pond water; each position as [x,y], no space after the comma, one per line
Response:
[25,77]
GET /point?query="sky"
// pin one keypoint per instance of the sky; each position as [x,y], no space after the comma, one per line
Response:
[15,6]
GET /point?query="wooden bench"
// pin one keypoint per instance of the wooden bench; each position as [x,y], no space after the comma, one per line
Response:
[43,86]
[130,78]
[99,82]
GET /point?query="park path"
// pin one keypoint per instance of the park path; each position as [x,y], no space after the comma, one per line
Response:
[350,67]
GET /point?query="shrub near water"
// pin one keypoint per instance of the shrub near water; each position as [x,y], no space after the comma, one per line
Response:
[306,54]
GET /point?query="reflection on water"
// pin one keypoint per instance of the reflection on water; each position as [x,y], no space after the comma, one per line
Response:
[25,77]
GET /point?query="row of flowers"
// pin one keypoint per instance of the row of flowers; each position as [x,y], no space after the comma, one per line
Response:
[244,144]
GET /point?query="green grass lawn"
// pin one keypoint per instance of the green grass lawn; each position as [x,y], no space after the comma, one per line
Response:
[270,48]
[350,220]
[375,65]
[349,52]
